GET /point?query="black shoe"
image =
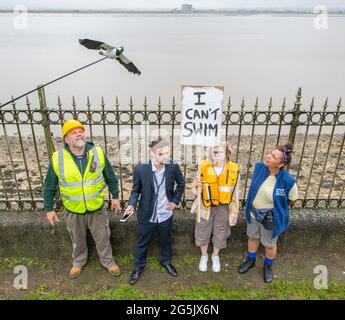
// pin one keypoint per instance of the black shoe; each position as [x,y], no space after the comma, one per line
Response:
[246,265]
[135,276]
[171,269]
[268,273]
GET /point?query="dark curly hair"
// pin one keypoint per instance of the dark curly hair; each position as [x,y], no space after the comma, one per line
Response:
[287,150]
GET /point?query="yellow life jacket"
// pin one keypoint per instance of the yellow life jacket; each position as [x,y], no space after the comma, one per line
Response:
[218,189]
[80,193]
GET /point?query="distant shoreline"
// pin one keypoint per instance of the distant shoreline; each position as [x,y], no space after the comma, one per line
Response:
[180,13]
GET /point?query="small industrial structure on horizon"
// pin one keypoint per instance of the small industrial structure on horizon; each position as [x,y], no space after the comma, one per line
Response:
[187,8]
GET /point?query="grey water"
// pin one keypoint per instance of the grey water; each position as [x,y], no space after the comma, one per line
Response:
[251,56]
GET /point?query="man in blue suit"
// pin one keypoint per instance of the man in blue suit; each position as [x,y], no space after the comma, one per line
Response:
[154,183]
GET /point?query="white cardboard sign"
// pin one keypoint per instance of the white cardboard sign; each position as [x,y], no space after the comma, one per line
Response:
[201,115]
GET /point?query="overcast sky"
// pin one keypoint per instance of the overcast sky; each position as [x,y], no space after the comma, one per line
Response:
[131,4]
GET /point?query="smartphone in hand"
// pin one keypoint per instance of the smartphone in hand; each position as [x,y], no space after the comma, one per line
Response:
[125,217]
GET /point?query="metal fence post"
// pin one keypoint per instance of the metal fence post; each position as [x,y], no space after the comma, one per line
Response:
[48,137]
[45,124]
[296,113]
[294,124]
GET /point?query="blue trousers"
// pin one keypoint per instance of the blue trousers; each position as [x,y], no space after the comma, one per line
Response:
[145,232]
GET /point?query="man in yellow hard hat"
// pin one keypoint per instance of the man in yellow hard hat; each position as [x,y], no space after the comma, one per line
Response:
[82,171]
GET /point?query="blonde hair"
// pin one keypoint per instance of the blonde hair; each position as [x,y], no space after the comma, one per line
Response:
[228,151]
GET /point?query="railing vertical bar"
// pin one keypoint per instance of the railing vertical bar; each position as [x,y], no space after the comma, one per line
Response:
[16,115]
[146,124]
[251,147]
[240,129]
[315,151]
[3,185]
[339,155]
[281,118]
[117,107]
[104,126]
[132,128]
[185,171]
[139,141]
[60,112]
[337,166]
[74,107]
[266,129]
[311,107]
[59,204]
[159,117]
[327,155]
[295,121]
[89,117]
[296,113]
[9,153]
[105,136]
[28,105]
[227,119]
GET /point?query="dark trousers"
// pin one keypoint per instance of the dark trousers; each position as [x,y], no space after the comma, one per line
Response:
[144,238]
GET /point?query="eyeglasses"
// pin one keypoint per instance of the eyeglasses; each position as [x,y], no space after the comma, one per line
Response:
[218,152]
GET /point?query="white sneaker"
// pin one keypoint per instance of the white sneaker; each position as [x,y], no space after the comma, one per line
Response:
[203,263]
[215,264]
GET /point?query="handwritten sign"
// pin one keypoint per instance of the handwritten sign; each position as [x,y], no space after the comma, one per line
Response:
[201,115]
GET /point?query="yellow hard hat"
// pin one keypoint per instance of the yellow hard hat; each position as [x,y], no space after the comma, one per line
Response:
[71,124]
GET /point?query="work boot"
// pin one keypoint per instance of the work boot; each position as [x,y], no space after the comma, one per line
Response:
[246,265]
[74,272]
[114,270]
[268,273]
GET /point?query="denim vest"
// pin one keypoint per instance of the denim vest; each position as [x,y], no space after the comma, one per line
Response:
[285,181]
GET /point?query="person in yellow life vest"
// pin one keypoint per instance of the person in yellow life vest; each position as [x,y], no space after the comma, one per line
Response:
[82,170]
[219,185]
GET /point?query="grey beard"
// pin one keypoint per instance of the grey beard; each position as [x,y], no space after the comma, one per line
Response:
[79,144]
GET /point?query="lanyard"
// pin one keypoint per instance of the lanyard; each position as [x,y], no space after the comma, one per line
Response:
[156,183]
[157,194]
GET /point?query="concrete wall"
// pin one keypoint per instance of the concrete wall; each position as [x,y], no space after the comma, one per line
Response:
[28,234]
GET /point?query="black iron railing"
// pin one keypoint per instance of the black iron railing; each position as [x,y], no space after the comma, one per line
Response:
[29,136]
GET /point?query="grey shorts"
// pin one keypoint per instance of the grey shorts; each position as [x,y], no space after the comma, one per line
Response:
[256,230]
[217,227]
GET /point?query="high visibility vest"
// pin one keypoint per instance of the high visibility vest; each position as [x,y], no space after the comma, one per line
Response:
[80,193]
[218,190]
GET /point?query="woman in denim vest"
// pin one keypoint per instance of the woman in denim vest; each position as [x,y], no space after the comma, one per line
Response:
[271,192]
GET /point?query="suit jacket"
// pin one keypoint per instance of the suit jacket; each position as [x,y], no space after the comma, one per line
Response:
[144,192]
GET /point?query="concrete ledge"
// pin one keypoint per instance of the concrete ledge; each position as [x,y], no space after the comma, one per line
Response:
[28,234]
